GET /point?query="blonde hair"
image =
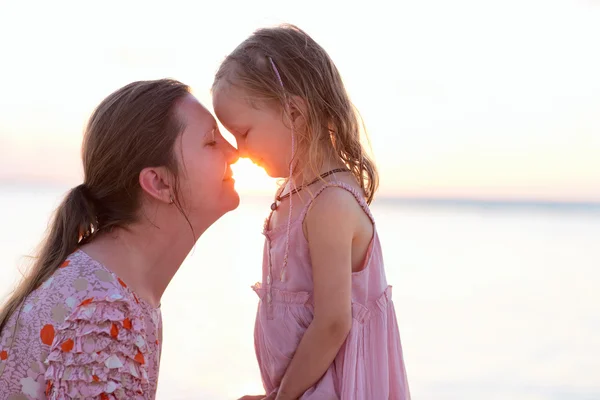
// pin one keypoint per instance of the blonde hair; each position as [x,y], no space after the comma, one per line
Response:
[307,72]
[133,128]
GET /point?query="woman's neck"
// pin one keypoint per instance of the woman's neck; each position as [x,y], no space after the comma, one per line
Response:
[145,257]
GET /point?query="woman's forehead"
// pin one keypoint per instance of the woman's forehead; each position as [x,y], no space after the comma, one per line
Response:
[196,116]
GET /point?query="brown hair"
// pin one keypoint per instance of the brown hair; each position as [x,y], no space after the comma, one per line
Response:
[307,72]
[133,128]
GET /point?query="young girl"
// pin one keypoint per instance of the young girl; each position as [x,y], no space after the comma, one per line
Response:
[326,326]
[86,321]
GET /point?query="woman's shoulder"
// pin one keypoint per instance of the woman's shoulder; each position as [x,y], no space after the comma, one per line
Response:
[79,278]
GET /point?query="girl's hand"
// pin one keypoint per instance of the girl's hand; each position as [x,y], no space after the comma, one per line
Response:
[249,397]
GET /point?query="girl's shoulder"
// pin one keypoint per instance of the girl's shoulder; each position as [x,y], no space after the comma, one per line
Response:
[339,198]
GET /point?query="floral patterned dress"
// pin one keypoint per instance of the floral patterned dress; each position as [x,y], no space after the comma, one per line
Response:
[82,334]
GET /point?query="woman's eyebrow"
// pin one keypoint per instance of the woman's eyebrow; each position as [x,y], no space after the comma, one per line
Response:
[211,132]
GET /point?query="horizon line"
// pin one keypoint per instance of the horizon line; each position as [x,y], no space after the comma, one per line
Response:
[407,198]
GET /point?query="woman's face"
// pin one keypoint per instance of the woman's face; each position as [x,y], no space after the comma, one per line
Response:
[206,186]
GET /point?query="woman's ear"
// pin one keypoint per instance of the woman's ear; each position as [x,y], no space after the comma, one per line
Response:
[156,182]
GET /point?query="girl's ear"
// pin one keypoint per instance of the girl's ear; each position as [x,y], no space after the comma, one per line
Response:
[297,108]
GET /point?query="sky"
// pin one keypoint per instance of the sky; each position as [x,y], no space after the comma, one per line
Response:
[490,99]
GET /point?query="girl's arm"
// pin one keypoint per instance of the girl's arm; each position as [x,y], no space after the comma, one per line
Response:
[330,228]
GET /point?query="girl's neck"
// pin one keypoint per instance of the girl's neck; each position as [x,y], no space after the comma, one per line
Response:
[308,174]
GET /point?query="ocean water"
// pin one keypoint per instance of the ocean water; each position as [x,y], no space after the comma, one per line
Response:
[495,300]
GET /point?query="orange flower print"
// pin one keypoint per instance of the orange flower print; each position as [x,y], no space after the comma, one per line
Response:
[3,355]
[121,282]
[127,323]
[67,345]
[66,263]
[86,302]
[47,334]
[139,357]
[103,396]
[95,378]
[48,388]
[114,331]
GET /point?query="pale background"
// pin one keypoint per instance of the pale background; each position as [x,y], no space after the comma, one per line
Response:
[484,114]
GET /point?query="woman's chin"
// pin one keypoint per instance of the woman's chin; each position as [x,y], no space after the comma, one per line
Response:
[231,201]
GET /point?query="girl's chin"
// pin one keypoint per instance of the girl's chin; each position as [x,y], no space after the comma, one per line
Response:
[272,172]
[277,174]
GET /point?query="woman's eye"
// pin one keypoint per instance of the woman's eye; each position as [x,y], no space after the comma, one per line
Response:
[212,143]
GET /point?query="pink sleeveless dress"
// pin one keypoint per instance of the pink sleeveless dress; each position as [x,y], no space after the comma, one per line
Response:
[369,365]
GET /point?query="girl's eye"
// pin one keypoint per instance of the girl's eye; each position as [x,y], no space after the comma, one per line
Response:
[212,143]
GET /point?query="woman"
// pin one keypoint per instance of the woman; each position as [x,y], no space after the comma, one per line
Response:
[85,322]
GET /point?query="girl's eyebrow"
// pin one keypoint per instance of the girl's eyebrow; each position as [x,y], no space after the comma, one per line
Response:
[233,129]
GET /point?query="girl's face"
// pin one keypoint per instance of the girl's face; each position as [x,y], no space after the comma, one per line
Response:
[260,133]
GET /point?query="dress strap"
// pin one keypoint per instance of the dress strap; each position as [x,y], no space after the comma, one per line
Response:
[360,198]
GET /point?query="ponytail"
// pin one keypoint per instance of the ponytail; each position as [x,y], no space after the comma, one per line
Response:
[73,224]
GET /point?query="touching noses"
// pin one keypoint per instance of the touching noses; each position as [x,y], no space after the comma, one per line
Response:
[232,153]
[242,151]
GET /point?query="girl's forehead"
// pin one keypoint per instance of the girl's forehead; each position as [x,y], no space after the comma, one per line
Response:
[224,100]
[232,109]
